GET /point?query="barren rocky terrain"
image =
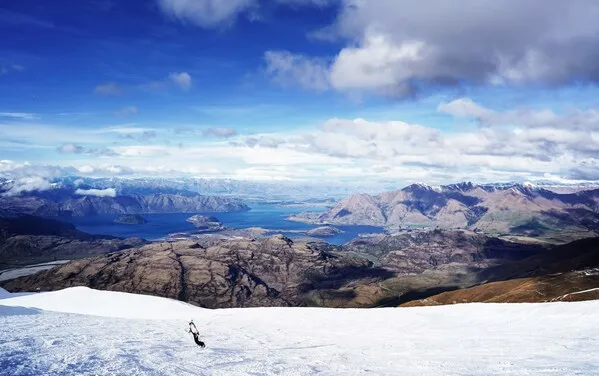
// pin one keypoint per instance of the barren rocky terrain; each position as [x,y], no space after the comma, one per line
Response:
[234,273]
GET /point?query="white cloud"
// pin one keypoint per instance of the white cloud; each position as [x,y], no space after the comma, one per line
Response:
[110,88]
[18,170]
[108,192]
[464,108]
[378,64]
[398,47]
[205,13]
[70,149]
[78,149]
[28,184]
[124,129]
[19,115]
[286,68]
[182,80]
[126,111]
[581,120]
[219,132]
[105,170]
[142,151]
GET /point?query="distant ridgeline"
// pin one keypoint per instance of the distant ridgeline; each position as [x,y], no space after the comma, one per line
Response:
[521,209]
[71,202]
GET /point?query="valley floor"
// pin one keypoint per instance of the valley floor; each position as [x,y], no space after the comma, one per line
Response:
[83,331]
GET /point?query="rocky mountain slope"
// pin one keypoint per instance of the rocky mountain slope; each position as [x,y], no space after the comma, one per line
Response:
[565,273]
[234,273]
[516,209]
[27,240]
[419,250]
[567,287]
[368,272]
[74,205]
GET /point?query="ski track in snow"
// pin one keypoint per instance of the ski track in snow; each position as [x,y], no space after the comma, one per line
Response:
[110,335]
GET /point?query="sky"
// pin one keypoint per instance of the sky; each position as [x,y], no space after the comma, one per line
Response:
[337,91]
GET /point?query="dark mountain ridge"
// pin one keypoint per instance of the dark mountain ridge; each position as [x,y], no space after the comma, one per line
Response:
[28,240]
[43,204]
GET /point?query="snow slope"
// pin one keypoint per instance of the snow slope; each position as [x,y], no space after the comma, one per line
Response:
[82,331]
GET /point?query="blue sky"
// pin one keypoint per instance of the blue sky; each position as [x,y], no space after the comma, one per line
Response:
[300,90]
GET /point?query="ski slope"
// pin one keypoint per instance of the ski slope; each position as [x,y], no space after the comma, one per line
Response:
[81,331]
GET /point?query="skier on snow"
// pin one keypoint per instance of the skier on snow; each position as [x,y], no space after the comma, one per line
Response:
[196,334]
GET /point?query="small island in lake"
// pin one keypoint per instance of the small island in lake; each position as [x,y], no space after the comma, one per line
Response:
[324,231]
[205,223]
[131,219]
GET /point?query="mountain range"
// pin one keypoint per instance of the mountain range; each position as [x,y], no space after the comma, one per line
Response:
[520,209]
[61,203]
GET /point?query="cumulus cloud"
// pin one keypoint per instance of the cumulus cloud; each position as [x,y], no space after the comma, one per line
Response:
[525,117]
[139,136]
[398,47]
[126,111]
[17,170]
[465,108]
[205,13]
[182,80]
[287,69]
[78,149]
[27,184]
[110,88]
[19,115]
[105,170]
[24,170]
[511,144]
[108,192]
[219,132]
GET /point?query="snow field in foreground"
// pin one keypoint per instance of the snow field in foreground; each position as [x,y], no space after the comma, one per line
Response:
[82,331]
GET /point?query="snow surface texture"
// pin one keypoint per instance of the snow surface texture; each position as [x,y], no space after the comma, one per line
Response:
[82,331]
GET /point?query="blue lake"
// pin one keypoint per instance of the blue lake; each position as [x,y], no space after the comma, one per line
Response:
[262,215]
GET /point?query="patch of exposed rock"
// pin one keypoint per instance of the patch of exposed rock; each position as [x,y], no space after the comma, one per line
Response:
[324,231]
[206,223]
[416,251]
[233,273]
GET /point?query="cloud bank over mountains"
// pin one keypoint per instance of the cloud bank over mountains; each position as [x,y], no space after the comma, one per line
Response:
[493,145]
